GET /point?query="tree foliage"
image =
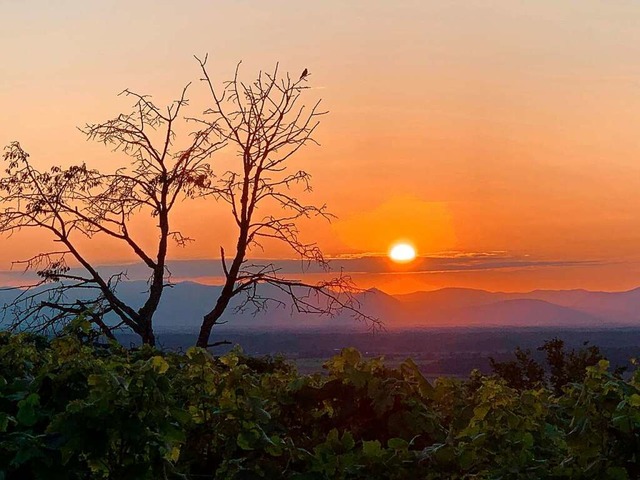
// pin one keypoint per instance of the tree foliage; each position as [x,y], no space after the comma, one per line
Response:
[69,409]
[562,366]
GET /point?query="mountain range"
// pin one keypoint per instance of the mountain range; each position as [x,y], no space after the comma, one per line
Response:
[184,305]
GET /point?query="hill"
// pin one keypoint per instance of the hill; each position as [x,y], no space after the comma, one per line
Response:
[184,305]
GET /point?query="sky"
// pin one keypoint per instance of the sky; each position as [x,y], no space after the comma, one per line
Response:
[500,138]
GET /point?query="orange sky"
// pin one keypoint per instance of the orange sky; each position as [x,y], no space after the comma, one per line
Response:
[463,126]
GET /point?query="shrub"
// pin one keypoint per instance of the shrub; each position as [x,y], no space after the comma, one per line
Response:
[73,409]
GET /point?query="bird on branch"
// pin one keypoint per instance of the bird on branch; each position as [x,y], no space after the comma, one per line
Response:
[305,72]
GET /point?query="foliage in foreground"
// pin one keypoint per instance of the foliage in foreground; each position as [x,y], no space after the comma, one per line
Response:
[72,410]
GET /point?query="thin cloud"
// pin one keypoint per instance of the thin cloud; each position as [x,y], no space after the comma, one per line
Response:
[367,263]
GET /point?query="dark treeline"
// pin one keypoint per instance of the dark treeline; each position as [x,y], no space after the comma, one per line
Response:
[442,351]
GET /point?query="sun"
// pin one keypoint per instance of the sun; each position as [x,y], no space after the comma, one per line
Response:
[402,253]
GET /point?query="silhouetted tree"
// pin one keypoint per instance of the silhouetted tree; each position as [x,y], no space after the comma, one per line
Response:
[266,124]
[523,373]
[78,201]
[567,367]
[563,366]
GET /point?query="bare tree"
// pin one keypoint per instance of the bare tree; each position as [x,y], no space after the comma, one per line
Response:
[76,202]
[266,123]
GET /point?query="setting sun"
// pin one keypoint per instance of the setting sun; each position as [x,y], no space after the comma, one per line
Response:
[402,252]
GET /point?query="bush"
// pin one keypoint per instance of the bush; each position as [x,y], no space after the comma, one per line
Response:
[73,409]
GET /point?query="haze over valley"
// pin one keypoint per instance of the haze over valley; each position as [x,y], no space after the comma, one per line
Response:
[185,303]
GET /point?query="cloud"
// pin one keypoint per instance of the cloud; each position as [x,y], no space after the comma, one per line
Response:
[446,262]
[454,262]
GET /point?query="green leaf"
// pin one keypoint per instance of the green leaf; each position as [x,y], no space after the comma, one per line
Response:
[197,356]
[410,370]
[246,439]
[481,411]
[445,454]
[332,437]
[173,434]
[274,447]
[27,450]
[4,422]
[297,384]
[230,359]
[243,441]
[348,358]
[173,455]
[398,444]
[347,441]
[622,422]
[617,473]
[27,410]
[466,459]
[634,400]
[351,356]
[159,364]
[260,413]
[372,448]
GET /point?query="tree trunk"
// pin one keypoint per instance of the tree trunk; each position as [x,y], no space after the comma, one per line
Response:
[213,316]
[227,293]
[147,335]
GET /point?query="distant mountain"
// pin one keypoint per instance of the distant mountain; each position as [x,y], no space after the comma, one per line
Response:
[184,305]
[622,306]
[454,306]
[438,303]
[522,313]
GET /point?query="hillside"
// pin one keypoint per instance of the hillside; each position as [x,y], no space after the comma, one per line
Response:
[184,305]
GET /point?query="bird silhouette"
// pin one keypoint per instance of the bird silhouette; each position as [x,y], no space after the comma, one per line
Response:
[305,72]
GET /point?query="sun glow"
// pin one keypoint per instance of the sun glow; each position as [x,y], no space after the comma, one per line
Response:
[402,253]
